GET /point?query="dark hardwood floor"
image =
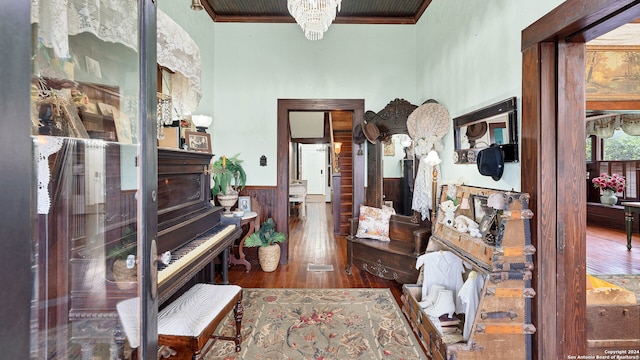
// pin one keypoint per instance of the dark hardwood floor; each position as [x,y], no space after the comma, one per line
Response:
[312,242]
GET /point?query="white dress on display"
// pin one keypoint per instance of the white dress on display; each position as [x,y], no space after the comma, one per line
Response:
[468,299]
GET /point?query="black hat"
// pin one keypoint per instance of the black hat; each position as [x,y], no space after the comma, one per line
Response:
[490,162]
[358,134]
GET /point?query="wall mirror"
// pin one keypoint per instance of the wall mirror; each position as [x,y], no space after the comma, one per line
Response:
[390,167]
[477,130]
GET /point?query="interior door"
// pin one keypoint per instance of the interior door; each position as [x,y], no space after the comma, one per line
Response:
[93,134]
[314,171]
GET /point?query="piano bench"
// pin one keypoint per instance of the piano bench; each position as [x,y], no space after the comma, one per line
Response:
[187,324]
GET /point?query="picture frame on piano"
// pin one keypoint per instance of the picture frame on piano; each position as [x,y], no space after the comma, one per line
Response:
[198,141]
[244,203]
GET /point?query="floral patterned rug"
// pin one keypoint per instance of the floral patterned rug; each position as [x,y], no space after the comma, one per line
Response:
[319,324]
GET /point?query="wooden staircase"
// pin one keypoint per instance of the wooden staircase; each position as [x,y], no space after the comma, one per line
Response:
[342,124]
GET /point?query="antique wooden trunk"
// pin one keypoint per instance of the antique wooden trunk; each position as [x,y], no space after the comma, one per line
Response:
[499,254]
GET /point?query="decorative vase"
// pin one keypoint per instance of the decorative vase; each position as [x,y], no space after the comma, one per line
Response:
[227,201]
[608,197]
[269,257]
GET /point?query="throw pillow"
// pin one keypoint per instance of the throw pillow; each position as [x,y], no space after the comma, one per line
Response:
[373,223]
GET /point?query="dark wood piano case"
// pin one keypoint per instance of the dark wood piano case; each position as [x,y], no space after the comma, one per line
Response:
[502,325]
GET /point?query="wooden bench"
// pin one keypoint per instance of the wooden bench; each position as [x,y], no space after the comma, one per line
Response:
[393,260]
[186,325]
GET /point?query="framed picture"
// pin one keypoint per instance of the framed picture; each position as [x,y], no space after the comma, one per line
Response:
[198,141]
[479,208]
[244,203]
[612,73]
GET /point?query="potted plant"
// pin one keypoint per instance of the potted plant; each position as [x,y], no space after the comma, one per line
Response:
[229,178]
[267,238]
[123,277]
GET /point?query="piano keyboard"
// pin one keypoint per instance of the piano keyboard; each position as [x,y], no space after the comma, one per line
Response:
[185,255]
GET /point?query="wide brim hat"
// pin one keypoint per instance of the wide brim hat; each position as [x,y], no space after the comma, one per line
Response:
[476,131]
[490,162]
[358,134]
[428,120]
[371,132]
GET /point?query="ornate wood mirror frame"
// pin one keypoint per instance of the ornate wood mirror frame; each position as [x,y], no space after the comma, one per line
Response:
[389,121]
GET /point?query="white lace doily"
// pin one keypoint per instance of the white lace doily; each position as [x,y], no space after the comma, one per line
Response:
[115,21]
[45,147]
[427,125]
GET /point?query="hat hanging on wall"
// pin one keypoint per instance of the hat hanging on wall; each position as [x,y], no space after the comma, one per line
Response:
[358,134]
[476,131]
[371,132]
[490,162]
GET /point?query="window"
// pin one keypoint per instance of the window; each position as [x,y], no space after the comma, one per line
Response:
[620,146]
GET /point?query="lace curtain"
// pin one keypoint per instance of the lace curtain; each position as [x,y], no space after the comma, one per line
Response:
[605,125]
[115,21]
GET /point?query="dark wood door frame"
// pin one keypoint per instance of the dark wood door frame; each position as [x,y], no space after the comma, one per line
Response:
[284,136]
[553,107]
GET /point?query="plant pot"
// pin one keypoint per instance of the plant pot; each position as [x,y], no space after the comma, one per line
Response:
[269,257]
[227,201]
[608,197]
[124,278]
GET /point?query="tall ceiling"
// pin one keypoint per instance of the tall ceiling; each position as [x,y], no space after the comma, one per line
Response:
[351,12]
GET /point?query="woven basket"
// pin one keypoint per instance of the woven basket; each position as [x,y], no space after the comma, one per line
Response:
[125,279]
[269,257]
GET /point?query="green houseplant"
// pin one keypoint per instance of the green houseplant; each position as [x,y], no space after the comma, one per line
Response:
[267,239]
[229,178]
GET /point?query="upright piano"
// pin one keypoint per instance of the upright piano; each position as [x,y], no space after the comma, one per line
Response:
[77,291]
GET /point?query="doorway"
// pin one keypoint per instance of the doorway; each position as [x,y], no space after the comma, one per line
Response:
[285,106]
[553,103]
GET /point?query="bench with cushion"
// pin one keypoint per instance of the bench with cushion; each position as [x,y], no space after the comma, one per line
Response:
[392,255]
[186,325]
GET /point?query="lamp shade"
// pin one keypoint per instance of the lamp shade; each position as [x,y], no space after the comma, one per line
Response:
[201,120]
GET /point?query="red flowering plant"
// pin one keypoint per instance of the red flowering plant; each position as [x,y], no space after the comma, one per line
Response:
[613,182]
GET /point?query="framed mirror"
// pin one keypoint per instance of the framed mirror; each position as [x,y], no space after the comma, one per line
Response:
[390,164]
[477,130]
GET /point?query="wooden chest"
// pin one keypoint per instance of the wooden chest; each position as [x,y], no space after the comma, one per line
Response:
[501,325]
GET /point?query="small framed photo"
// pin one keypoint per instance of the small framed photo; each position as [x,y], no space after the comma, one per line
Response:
[93,67]
[479,207]
[198,141]
[244,203]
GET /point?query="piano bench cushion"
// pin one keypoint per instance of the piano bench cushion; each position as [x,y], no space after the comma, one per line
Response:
[189,315]
[194,310]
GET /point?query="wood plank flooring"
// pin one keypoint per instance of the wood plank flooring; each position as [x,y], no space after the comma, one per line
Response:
[312,242]
[607,252]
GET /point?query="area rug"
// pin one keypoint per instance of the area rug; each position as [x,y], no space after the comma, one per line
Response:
[320,324]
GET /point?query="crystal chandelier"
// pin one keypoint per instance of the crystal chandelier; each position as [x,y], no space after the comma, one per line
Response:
[314,16]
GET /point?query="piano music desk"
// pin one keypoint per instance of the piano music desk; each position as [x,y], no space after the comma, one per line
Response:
[250,219]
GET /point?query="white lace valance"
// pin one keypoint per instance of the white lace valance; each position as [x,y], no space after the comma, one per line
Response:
[605,125]
[115,21]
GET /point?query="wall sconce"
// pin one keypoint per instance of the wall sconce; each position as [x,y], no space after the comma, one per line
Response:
[337,147]
[202,122]
[196,5]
